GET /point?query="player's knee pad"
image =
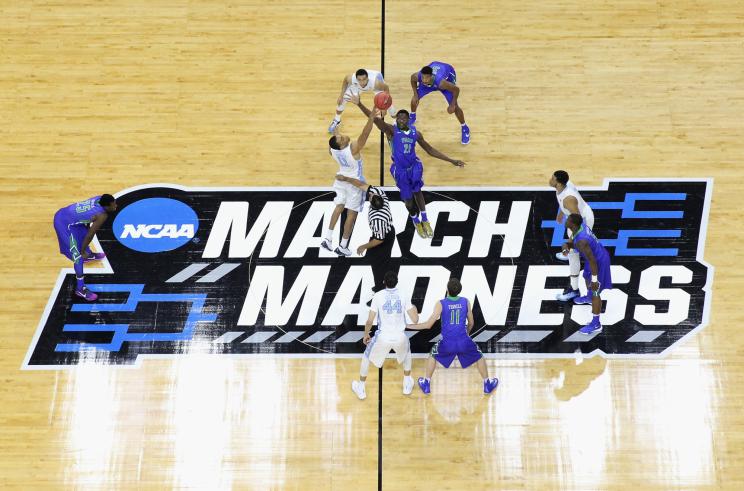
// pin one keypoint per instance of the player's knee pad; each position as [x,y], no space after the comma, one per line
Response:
[574,263]
[340,108]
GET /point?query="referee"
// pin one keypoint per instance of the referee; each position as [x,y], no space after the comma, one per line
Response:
[380,245]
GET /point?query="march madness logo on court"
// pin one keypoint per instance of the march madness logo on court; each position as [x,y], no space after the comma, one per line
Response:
[241,272]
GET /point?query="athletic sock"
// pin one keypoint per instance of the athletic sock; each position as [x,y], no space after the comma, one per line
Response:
[328,235]
[595,318]
[463,125]
[80,282]
[415,219]
[423,217]
[344,243]
[337,118]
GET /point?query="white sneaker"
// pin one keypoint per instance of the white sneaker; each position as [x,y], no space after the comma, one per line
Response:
[342,251]
[327,245]
[407,385]
[358,387]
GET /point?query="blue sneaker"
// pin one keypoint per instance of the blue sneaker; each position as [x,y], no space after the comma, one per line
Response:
[567,295]
[424,385]
[591,328]
[333,126]
[490,385]
[465,135]
[585,300]
[412,118]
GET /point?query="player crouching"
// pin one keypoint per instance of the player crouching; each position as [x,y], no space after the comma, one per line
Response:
[457,322]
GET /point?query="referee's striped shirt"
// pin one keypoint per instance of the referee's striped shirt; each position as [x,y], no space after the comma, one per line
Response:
[380,221]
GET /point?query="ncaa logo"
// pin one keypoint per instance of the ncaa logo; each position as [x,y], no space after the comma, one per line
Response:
[155,225]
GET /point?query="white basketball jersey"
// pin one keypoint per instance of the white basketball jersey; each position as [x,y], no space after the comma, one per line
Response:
[348,166]
[570,190]
[391,311]
[372,76]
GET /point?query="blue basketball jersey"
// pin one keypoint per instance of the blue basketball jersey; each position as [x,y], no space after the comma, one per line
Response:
[598,250]
[440,71]
[403,145]
[82,212]
[454,316]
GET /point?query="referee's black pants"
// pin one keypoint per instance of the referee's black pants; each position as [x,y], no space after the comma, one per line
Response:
[380,260]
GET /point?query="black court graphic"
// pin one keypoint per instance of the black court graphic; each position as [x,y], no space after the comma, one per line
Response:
[245,274]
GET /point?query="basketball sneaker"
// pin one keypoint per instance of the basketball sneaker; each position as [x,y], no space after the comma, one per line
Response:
[427,229]
[465,135]
[425,385]
[567,295]
[342,251]
[86,294]
[585,300]
[489,385]
[420,230]
[592,327]
[96,256]
[561,257]
[358,387]
[333,126]
[327,245]
[407,385]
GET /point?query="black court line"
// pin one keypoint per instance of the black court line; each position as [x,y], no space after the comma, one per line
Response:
[379,432]
[382,183]
[382,70]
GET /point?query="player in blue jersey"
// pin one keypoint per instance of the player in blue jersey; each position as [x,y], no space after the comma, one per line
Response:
[76,225]
[457,322]
[596,267]
[438,76]
[407,169]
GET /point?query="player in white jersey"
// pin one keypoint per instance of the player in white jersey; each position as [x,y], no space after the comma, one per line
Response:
[348,156]
[388,308]
[360,81]
[570,202]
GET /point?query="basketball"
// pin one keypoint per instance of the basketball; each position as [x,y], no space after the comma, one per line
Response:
[383,100]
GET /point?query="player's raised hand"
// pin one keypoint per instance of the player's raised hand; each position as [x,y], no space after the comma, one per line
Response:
[354,99]
[376,113]
[458,163]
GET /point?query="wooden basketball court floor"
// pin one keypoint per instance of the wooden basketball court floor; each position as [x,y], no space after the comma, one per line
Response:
[101,96]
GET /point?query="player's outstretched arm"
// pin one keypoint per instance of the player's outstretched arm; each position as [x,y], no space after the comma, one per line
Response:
[436,153]
[97,222]
[430,322]
[414,84]
[353,181]
[358,145]
[382,125]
